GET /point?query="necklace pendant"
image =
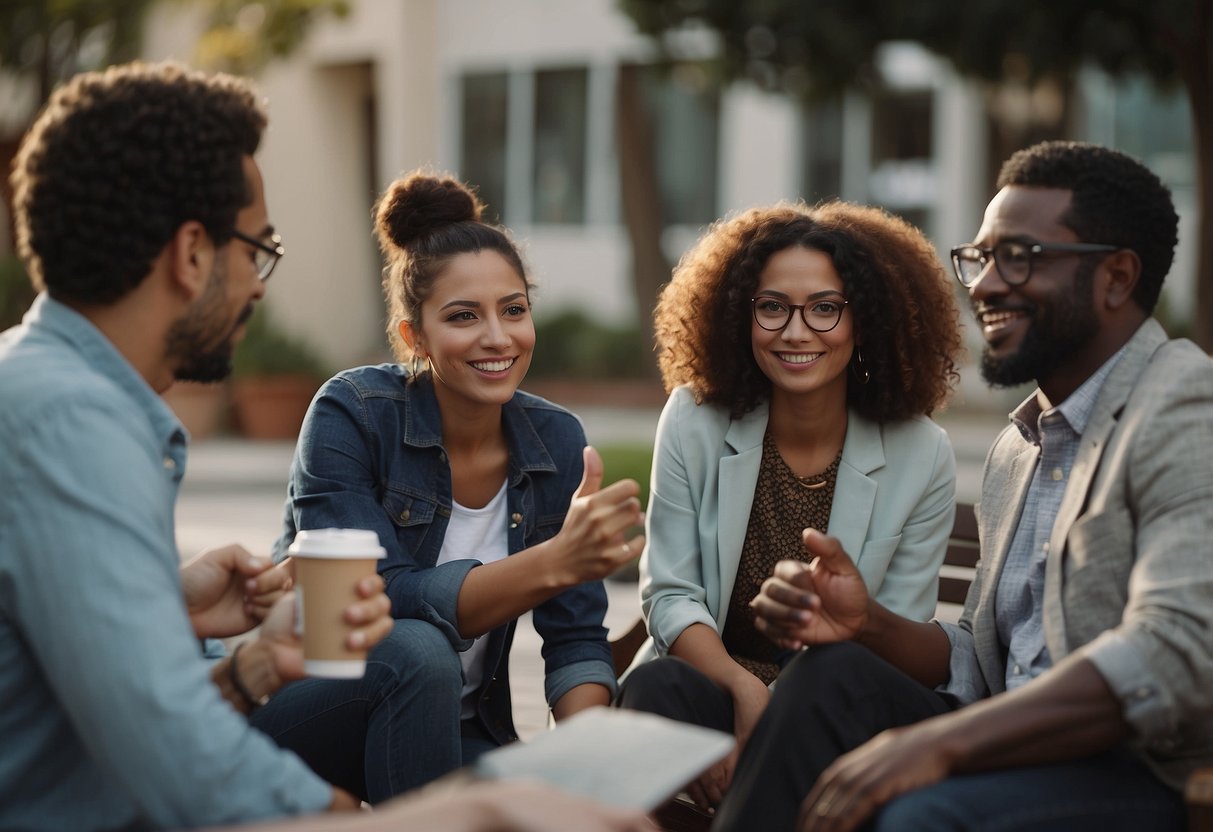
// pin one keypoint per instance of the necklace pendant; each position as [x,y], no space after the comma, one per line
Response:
[803,482]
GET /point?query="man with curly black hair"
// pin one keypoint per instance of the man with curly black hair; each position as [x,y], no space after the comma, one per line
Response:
[141,216]
[1075,691]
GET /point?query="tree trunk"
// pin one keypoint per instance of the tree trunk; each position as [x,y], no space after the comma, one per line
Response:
[1196,67]
[1190,48]
[1202,318]
[641,195]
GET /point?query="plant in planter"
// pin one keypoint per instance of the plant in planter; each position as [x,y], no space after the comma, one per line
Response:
[274,376]
[16,292]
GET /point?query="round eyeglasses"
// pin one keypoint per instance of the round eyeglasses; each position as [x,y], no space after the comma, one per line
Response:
[266,256]
[773,314]
[1014,259]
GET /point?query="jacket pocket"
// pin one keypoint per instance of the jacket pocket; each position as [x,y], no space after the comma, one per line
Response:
[405,510]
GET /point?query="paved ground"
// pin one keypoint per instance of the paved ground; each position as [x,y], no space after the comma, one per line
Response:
[233,492]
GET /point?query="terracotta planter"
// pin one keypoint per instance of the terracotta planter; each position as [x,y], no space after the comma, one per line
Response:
[271,407]
[200,407]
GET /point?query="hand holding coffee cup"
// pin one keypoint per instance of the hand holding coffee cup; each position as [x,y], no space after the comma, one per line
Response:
[329,563]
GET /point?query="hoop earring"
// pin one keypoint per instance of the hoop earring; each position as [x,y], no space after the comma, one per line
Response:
[860,368]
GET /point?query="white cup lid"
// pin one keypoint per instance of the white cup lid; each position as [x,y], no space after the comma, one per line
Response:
[337,543]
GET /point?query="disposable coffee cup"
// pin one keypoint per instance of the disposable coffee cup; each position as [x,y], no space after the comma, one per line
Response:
[328,565]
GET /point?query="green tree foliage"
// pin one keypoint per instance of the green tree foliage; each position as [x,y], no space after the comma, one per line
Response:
[243,36]
[45,42]
[51,40]
[818,47]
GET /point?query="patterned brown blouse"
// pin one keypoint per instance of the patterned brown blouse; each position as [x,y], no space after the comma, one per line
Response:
[784,505]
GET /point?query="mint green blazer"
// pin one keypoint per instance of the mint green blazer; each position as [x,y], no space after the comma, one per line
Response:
[894,503]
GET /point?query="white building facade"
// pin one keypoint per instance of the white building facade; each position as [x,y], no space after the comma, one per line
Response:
[518,97]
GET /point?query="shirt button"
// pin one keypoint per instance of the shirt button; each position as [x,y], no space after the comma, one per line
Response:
[1017,670]
[515,519]
[1045,548]
[404,515]
[170,464]
[442,455]
[1057,474]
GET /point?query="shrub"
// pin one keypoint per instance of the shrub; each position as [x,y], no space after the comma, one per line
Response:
[16,292]
[268,350]
[571,345]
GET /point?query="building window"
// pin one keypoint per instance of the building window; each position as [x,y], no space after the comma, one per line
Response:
[903,174]
[558,185]
[482,156]
[686,118]
[823,141]
[1156,127]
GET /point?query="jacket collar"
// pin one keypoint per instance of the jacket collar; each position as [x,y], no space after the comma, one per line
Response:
[862,450]
[1105,414]
[423,426]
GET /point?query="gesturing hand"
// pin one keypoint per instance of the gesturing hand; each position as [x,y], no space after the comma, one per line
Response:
[821,602]
[591,542]
[228,591]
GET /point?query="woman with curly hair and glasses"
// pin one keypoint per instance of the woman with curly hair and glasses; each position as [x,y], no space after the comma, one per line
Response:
[803,349]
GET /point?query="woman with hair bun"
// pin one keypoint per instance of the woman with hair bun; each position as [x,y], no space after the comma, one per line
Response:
[487,499]
[803,350]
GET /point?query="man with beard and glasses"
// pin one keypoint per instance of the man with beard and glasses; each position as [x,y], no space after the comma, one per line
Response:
[1075,691]
[142,220]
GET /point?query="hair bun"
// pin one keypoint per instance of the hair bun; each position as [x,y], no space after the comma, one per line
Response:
[420,203]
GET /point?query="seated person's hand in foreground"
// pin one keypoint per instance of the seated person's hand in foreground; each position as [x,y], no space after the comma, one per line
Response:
[858,783]
[370,619]
[228,591]
[816,603]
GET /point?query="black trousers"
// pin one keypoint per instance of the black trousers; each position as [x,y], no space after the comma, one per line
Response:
[829,700]
[675,689]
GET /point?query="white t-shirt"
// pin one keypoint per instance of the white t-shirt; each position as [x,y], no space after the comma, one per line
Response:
[476,534]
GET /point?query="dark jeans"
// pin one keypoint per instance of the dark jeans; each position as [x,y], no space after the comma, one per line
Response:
[394,729]
[834,698]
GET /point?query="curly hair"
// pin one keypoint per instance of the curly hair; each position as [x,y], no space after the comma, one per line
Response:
[422,220]
[1116,200]
[117,161]
[904,308]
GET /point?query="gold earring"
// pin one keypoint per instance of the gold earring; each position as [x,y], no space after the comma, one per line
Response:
[860,367]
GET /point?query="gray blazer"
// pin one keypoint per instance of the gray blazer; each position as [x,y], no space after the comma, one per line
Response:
[1129,580]
[894,502]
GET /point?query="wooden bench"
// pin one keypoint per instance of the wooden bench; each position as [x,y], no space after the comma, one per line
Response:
[959,566]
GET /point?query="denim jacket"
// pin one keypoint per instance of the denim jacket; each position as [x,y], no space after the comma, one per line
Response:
[370,456]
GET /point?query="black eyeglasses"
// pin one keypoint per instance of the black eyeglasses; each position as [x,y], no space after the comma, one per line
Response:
[1013,258]
[773,314]
[266,256]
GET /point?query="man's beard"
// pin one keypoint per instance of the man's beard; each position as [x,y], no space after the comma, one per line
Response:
[202,340]
[1053,335]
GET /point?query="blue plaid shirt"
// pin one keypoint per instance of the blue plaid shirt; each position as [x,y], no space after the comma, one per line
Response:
[1019,600]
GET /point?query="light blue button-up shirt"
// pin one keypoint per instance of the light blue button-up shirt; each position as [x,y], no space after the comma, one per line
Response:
[1019,600]
[108,717]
